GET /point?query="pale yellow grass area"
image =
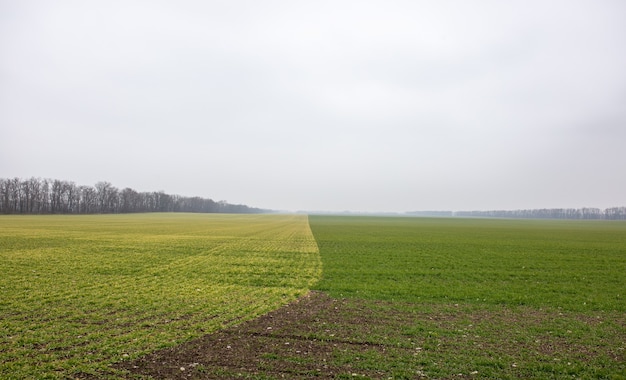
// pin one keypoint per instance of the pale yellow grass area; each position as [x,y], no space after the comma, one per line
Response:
[81,292]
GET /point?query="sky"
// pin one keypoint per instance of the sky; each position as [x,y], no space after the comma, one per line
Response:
[360,105]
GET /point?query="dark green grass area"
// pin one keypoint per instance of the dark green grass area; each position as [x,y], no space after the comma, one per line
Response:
[479,298]
[572,265]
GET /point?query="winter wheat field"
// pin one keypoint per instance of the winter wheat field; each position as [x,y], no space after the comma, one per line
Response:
[213,296]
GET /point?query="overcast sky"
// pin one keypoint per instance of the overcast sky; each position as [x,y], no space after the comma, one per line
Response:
[321,105]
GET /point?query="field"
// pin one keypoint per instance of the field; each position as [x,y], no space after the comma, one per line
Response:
[174,296]
[408,298]
[82,292]
[480,298]
[570,265]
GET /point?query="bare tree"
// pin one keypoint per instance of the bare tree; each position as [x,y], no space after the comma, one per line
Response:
[56,196]
[88,200]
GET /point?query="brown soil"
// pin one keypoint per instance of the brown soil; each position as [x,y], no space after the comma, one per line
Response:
[325,338]
[296,341]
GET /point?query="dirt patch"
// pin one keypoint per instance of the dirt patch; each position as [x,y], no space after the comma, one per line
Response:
[295,341]
[324,338]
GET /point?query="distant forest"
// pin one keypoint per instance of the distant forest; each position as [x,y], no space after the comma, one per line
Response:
[52,196]
[587,213]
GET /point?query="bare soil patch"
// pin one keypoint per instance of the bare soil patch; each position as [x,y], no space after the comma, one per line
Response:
[325,338]
[293,342]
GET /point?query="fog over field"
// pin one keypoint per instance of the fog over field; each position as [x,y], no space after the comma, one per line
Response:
[321,105]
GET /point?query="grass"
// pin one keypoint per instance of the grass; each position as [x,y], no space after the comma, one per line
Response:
[413,297]
[82,292]
[470,298]
[572,265]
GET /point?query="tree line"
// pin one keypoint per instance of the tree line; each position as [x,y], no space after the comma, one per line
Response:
[52,196]
[588,213]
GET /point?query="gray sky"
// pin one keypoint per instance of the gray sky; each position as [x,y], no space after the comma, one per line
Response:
[321,105]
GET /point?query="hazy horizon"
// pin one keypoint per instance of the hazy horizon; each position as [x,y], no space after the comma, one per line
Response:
[371,106]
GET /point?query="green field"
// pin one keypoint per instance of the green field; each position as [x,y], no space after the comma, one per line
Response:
[572,265]
[411,297]
[479,298]
[81,292]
